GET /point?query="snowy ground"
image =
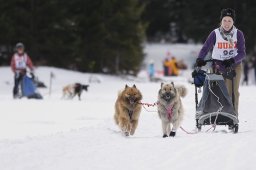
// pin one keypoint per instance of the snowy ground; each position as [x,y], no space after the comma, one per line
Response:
[55,134]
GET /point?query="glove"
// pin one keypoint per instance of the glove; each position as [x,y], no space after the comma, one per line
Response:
[32,75]
[228,63]
[200,62]
[194,73]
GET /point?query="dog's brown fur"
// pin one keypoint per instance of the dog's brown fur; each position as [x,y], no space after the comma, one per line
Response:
[127,109]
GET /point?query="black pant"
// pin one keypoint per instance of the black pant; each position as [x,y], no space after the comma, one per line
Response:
[17,82]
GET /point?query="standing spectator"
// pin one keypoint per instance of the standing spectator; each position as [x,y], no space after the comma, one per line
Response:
[151,70]
[166,67]
[254,67]
[246,72]
[173,66]
[19,63]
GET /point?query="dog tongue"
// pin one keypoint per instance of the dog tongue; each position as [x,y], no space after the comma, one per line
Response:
[132,102]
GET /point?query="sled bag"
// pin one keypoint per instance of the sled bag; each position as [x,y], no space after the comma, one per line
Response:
[199,77]
[28,86]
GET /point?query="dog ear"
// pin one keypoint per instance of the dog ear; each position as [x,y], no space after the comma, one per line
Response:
[134,86]
[162,84]
[126,86]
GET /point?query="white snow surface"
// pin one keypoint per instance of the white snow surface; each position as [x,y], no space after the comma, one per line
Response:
[55,134]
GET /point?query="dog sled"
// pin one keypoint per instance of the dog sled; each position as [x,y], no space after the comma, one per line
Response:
[28,88]
[216,107]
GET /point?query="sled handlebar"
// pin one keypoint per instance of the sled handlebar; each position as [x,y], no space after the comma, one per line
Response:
[210,60]
[213,60]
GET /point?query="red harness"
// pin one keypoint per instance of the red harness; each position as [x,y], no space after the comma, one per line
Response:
[169,113]
[169,110]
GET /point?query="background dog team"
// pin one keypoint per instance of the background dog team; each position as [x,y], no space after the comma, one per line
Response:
[71,90]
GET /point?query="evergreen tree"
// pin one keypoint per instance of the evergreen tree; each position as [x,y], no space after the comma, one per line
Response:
[194,20]
[107,36]
[112,33]
[87,35]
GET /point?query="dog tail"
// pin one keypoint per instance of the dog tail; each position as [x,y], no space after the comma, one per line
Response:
[182,91]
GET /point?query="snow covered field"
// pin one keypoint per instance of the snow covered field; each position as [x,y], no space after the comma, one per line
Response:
[55,134]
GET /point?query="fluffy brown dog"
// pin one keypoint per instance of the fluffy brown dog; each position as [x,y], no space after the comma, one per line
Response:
[127,109]
[170,108]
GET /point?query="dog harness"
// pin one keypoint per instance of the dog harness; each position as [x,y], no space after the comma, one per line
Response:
[169,112]
[130,112]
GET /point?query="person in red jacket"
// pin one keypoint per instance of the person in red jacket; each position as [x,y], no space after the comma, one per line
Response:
[19,64]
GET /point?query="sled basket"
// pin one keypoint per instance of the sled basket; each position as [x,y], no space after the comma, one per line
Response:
[207,109]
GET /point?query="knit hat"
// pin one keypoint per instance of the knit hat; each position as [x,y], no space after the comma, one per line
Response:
[19,45]
[228,12]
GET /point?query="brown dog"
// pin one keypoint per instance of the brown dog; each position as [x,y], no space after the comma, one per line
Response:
[127,109]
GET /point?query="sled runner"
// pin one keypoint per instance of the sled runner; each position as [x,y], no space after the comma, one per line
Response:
[216,107]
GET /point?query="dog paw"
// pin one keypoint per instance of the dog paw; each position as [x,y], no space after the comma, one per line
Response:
[164,136]
[126,133]
[172,134]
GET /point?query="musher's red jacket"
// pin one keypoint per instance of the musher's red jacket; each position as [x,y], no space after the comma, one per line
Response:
[19,63]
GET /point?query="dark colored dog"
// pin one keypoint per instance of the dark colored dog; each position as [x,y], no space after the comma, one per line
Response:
[70,91]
